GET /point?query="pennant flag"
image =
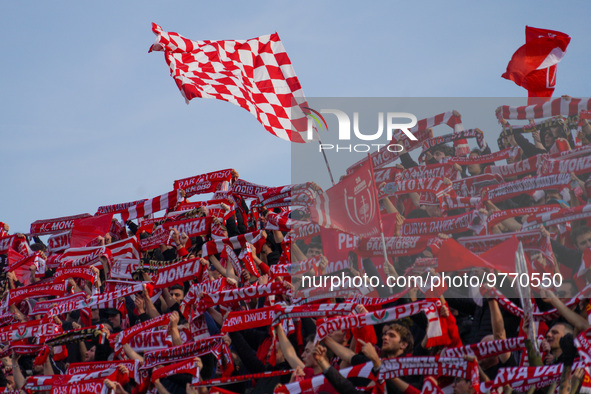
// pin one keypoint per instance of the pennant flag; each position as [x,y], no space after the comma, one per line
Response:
[533,66]
[351,206]
[254,74]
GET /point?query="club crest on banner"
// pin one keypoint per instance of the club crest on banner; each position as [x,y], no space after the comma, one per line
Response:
[360,206]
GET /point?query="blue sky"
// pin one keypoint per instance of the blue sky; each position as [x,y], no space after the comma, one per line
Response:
[90,118]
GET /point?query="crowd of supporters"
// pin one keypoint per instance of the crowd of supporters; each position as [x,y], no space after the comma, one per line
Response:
[209,297]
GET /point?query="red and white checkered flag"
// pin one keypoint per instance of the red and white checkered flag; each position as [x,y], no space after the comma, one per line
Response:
[254,74]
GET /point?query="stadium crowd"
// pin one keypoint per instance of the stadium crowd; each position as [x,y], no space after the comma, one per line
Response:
[209,297]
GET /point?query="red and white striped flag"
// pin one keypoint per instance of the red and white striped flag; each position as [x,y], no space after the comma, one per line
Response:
[254,74]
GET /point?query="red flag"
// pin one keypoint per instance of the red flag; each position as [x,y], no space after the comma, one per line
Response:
[20,265]
[254,74]
[503,255]
[533,66]
[351,206]
[87,229]
[454,257]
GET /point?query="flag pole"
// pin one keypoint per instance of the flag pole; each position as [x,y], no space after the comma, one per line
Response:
[325,159]
[375,190]
[319,140]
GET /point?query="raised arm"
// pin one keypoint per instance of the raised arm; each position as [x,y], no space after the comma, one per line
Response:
[498,326]
[287,348]
[578,322]
[344,353]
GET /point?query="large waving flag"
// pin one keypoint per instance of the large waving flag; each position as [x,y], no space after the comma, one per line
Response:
[533,66]
[254,74]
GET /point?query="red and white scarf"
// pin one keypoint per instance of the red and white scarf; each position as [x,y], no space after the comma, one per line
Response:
[117,208]
[449,203]
[381,316]
[560,106]
[549,315]
[56,225]
[423,366]
[560,216]
[189,367]
[75,257]
[246,258]
[125,336]
[375,302]
[459,135]
[189,206]
[240,294]
[313,311]
[496,217]
[247,189]
[484,159]
[240,378]
[583,344]
[576,165]
[35,291]
[440,170]
[29,329]
[160,237]
[192,227]
[312,384]
[526,185]
[59,305]
[237,242]
[289,195]
[521,167]
[109,298]
[522,378]
[473,220]
[434,186]
[124,268]
[281,222]
[176,273]
[204,183]
[59,242]
[571,154]
[183,352]
[157,339]
[85,273]
[486,349]
[85,367]
[395,246]
[209,286]
[473,185]
[153,205]
[242,320]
